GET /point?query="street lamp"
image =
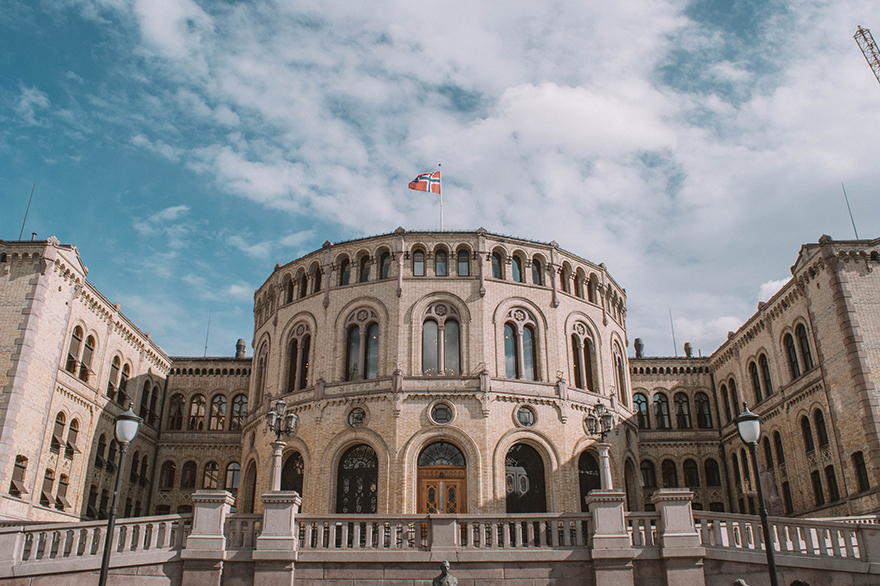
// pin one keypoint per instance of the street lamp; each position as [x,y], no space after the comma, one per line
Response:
[126,429]
[748,425]
[599,421]
[280,421]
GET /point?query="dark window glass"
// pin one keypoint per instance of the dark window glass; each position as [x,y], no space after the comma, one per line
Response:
[441,413]
[821,432]
[726,402]
[790,351]
[831,481]
[385,264]
[576,361]
[85,367]
[418,263]
[588,476]
[818,493]
[765,374]
[344,272]
[704,413]
[496,265]
[292,357]
[649,478]
[756,382]
[713,473]
[464,264]
[357,481]
[316,278]
[197,413]
[516,269]
[670,474]
[804,343]
[661,411]
[734,464]
[691,474]
[166,476]
[451,349]
[786,498]
[233,471]
[511,359]
[808,434]
[734,398]
[211,476]
[293,472]
[744,460]
[365,269]
[188,476]
[304,362]
[115,364]
[640,402]
[440,263]
[780,453]
[524,480]
[525,416]
[536,272]
[858,460]
[768,453]
[682,411]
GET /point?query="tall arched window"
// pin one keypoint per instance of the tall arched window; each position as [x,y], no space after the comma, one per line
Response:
[734,464]
[211,477]
[804,343]
[592,289]
[670,474]
[768,453]
[145,401]
[682,411]
[579,284]
[418,263]
[734,398]
[239,412]
[298,358]
[640,402]
[99,453]
[175,412]
[262,361]
[496,266]
[197,413]
[85,367]
[620,375]
[691,474]
[726,399]
[188,476]
[564,279]
[524,480]
[357,482]
[362,345]
[344,272]
[661,411]
[364,269]
[441,352]
[536,272]
[58,433]
[233,470]
[583,357]
[217,422]
[713,473]
[790,351]
[808,434]
[115,365]
[756,382]
[780,453]
[303,285]
[440,263]
[166,475]
[385,265]
[250,487]
[520,345]
[316,278]
[293,472]
[464,263]
[121,397]
[135,462]
[588,476]
[765,374]
[818,419]
[73,349]
[649,475]
[72,433]
[516,269]
[704,413]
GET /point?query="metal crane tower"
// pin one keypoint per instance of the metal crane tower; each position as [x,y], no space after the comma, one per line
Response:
[869,49]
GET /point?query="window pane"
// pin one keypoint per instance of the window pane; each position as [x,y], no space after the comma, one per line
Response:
[386,266]
[429,348]
[464,265]
[496,266]
[365,269]
[304,363]
[419,264]
[509,351]
[440,264]
[344,273]
[373,351]
[516,269]
[529,354]
[451,348]
[354,351]
[536,272]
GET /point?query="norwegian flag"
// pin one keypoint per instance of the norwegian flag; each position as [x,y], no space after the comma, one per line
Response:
[427,182]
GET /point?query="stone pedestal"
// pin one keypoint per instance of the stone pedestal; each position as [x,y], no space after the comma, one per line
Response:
[680,545]
[275,551]
[604,466]
[612,551]
[205,549]
[275,478]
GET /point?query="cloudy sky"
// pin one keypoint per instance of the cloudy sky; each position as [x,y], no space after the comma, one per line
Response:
[187,146]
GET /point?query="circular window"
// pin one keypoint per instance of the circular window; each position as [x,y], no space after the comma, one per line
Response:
[441,413]
[357,417]
[525,416]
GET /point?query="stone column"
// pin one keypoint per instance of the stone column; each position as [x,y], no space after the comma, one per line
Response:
[604,465]
[680,545]
[206,545]
[276,547]
[612,550]
[277,449]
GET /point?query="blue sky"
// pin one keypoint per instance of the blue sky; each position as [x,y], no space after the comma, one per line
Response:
[186,147]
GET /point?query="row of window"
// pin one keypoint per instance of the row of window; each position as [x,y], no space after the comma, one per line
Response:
[58,444]
[690,470]
[210,478]
[47,499]
[683,419]
[99,510]
[217,419]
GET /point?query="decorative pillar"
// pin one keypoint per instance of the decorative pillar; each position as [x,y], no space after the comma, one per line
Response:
[605,465]
[680,546]
[612,550]
[276,548]
[275,479]
[206,545]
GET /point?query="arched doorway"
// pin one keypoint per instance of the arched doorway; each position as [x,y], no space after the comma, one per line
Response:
[442,479]
[629,478]
[292,473]
[357,481]
[524,480]
[250,487]
[588,477]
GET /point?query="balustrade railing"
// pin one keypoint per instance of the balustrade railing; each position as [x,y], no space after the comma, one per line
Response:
[526,531]
[642,529]
[241,530]
[335,532]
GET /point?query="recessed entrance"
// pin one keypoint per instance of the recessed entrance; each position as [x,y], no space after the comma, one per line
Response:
[442,479]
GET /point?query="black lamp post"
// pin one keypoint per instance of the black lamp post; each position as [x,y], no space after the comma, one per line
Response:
[748,425]
[599,421]
[281,421]
[126,429]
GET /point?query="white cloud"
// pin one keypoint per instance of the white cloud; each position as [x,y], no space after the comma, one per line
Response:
[770,288]
[31,103]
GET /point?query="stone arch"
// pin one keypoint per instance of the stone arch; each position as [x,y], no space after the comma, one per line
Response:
[337,447]
[547,451]
[414,317]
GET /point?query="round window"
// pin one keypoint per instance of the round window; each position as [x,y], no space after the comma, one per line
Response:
[441,413]
[357,417]
[525,416]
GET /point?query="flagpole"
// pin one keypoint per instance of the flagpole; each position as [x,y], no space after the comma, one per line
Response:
[441,197]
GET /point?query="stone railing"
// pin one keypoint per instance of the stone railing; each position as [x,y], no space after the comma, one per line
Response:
[642,529]
[359,532]
[45,548]
[241,530]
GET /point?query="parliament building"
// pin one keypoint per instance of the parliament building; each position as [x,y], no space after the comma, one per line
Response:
[455,372]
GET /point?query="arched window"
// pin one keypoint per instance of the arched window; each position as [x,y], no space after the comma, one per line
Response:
[72,433]
[524,480]
[464,263]
[218,413]
[357,482]
[818,419]
[145,401]
[765,374]
[588,476]
[344,272]
[316,279]
[298,358]
[496,266]
[441,353]
[579,284]
[520,345]
[790,351]
[734,398]
[780,453]
[418,263]
[804,344]
[756,381]
[364,269]
[145,466]
[724,397]
[175,413]
[58,433]
[261,370]
[250,487]
[670,474]
[440,263]
[734,464]
[85,367]
[592,289]
[233,470]
[288,289]
[292,473]
[713,473]
[188,476]
[640,402]
[682,411]
[649,476]
[73,349]
[111,456]
[166,476]
[536,272]
[661,411]
[362,358]
[516,269]
[385,265]
[768,453]
[745,464]
[691,474]
[808,434]
[211,477]
[121,397]
[197,413]
[303,286]
[115,365]
[99,452]
[620,375]
[135,462]
[61,502]
[704,413]
[239,412]
[564,279]
[583,357]
[154,399]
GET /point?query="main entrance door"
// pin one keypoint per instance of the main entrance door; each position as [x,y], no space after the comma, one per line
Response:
[442,479]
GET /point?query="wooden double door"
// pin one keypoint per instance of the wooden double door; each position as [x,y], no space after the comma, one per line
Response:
[442,489]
